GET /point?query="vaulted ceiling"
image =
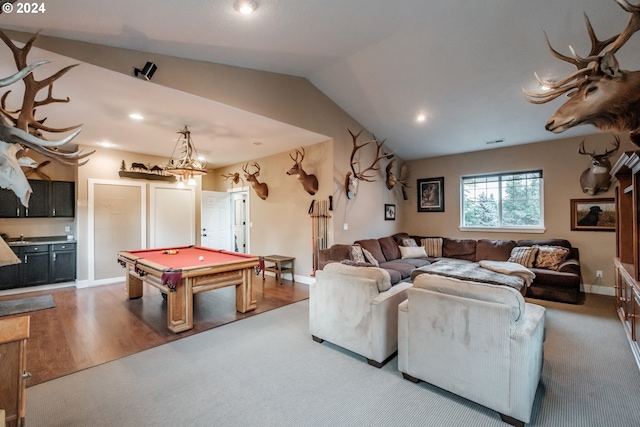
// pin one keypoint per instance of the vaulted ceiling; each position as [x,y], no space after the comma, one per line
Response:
[461,64]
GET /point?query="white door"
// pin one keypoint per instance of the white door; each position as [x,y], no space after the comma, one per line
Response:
[172,216]
[240,221]
[216,220]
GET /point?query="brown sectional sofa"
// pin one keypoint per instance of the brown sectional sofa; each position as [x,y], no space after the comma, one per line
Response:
[561,285]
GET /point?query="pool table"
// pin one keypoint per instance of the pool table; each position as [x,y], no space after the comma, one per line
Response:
[181,272]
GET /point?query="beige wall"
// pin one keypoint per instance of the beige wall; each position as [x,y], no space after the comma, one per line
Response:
[562,167]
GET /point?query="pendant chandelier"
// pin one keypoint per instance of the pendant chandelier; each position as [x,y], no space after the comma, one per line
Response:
[184,162]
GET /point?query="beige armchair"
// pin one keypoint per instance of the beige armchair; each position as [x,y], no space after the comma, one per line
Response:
[479,341]
[357,308]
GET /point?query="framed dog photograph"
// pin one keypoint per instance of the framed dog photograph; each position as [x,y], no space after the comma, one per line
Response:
[593,214]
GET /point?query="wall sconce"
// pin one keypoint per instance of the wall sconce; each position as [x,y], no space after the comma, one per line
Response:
[146,72]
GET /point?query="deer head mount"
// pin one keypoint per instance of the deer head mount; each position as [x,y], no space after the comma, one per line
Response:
[354,177]
[596,178]
[309,182]
[20,131]
[401,178]
[260,188]
[600,93]
[234,177]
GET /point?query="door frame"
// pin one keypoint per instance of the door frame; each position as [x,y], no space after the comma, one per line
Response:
[247,212]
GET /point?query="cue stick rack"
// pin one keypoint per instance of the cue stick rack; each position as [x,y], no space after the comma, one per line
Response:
[319,211]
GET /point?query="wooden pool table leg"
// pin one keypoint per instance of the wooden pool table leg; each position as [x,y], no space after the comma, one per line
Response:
[180,307]
[245,300]
[134,285]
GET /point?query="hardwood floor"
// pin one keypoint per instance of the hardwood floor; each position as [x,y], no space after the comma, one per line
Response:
[95,325]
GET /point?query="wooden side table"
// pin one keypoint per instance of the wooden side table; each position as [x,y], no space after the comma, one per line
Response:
[281,264]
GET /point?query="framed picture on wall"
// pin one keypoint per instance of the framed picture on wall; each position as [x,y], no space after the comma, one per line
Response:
[431,194]
[389,212]
[593,214]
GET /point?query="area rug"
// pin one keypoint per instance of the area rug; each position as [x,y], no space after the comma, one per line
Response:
[25,305]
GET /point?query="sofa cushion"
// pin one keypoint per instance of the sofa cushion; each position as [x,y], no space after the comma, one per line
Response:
[379,275]
[339,252]
[524,255]
[494,250]
[373,246]
[459,249]
[545,242]
[400,265]
[550,256]
[475,290]
[432,246]
[390,248]
[412,252]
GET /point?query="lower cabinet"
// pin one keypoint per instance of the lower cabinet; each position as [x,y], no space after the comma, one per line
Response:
[14,332]
[628,305]
[41,265]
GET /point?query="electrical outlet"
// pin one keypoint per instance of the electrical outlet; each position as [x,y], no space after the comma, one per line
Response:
[598,273]
[345,227]
[67,229]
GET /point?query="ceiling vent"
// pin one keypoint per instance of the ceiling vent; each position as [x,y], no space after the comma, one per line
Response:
[495,141]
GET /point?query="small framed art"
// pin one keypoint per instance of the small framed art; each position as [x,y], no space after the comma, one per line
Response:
[389,212]
[431,195]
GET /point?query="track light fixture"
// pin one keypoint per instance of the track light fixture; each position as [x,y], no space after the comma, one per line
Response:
[146,72]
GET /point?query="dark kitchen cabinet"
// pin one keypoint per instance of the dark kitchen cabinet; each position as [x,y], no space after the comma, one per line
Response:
[35,265]
[63,262]
[63,199]
[10,274]
[49,199]
[42,264]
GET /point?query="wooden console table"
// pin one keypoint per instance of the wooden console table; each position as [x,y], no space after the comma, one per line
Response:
[282,264]
[14,332]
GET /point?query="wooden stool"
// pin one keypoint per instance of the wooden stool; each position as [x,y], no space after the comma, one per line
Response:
[282,264]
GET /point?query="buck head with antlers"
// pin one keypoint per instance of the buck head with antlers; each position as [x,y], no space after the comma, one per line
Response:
[600,93]
[309,182]
[401,178]
[354,177]
[234,177]
[596,178]
[20,131]
[260,188]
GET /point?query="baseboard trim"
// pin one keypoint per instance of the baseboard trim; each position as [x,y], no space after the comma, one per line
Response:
[17,291]
[599,290]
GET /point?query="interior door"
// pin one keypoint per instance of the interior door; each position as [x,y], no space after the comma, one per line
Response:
[240,222]
[216,220]
[172,216]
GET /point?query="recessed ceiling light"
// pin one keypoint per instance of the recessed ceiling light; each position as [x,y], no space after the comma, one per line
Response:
[245,6]
[136,116]
[421,117]
[106,144]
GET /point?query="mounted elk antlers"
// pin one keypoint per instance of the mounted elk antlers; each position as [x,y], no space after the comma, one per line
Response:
[19,130]
[234,177]
[600,93]
[260,188]
[401,178]
[309,182]
[596,178]
[351,181]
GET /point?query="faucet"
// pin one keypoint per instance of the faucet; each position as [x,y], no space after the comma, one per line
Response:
[22,237]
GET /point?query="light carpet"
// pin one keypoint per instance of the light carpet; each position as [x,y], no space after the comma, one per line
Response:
[267,371]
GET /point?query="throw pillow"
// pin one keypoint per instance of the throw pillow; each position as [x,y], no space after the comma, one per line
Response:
[409,242]
[370,258]
[356,255]
[433,246]
[412,252]
[550,256]
[524,255]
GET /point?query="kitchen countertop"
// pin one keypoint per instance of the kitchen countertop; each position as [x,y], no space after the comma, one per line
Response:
[16,241]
